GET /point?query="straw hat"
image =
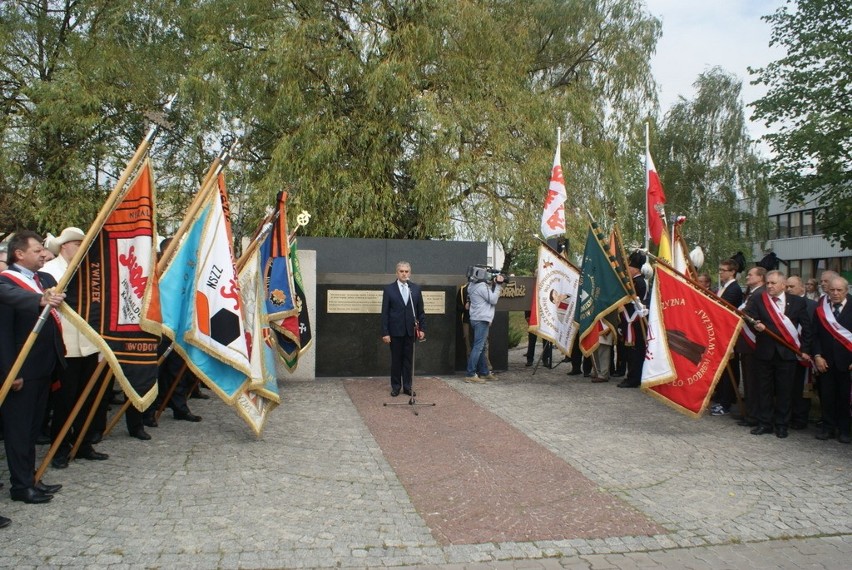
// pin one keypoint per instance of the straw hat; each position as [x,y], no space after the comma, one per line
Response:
[53,243]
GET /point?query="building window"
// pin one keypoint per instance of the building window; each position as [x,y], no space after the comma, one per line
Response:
[783,226]
[808,223]
[795,224]
[794,268]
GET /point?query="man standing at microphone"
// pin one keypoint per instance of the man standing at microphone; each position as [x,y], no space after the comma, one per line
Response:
[403,320]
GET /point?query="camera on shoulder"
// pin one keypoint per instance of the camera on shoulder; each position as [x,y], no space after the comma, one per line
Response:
[483,274]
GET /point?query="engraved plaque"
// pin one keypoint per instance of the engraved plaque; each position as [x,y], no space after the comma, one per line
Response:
[370,302]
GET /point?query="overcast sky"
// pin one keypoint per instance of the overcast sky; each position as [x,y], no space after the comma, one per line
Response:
[699,34]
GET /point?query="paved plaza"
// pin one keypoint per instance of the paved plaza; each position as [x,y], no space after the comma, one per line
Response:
[318,491]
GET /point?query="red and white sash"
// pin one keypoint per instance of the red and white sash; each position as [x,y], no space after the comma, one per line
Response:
[30,284]
[785,326]
[829,321]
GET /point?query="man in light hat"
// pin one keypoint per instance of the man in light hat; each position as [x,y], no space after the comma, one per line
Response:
[81,357]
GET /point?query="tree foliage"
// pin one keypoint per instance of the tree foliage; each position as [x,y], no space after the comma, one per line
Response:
[708,166]
[383,118]
[808,106]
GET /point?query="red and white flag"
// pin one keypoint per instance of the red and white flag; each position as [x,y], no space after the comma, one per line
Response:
[553,216]
[690,338]
[655,201]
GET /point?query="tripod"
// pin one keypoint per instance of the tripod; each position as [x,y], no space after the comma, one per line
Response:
[412,400]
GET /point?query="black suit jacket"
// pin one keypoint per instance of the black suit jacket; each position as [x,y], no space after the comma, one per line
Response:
[733,294]
[397,317]
[796,309]
[742,346]
[17,320]
[835,354]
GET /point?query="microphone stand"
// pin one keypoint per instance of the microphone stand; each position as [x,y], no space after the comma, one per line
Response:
[412,400]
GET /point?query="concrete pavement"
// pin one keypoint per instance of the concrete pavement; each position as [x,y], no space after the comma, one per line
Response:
[316,491]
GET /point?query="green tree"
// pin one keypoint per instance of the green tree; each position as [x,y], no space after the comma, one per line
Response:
[809,109]
[709,169]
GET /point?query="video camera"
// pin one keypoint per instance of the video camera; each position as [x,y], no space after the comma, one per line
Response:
[482,273]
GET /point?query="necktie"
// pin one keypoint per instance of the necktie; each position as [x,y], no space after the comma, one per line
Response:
[405,293]
[777,301]
[37,281]
[837,307]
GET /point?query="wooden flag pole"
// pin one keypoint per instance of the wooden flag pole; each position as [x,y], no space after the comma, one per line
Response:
[746,317]
[96,403]
[86,243]
[60,438]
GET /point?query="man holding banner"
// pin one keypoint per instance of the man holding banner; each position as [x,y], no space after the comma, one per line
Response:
[775,364]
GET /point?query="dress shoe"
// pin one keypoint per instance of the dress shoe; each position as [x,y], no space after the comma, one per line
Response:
[781,432]
[825,434]
[573,372]
[4,522]
[627,384]
[149,422]
[140,433]
[598,380]
[187,417]
[747,423]
[93,455]
[48,489]
[394,393]
[843,438]
[528,363]
[59,461]
[30,495]
[411,393]
[200,395]
[798,425]
[760,430]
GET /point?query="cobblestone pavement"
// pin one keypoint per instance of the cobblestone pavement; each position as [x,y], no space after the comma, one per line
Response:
[316,492]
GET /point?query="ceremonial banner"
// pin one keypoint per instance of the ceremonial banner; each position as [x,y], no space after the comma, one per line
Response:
[553,216]
[115,285]
[297,335]
[202,307]
[554,305]
[655,200]
[260,397]
[690,338]
[601,290]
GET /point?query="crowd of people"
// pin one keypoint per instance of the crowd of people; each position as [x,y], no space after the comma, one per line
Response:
[56,369]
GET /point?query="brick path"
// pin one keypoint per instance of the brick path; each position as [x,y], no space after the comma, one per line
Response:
[317,491]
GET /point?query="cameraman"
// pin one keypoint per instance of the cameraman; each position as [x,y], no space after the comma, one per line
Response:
[483,297]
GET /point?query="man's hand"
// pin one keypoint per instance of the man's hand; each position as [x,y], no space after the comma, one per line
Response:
[821,363]
[421,335]
[759,327]
[52,298]
[17,384]
[386,339]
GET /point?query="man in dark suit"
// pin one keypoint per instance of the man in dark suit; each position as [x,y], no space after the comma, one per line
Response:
[24,406]
[801,406]
[730,291]
[744,348]
[833,348]
[402,309]
[775,364]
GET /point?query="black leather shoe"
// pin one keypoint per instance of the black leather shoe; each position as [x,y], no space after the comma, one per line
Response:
[626,384]
[200,396]
[188,417]
[843,438]
[140,433]
[781,433]
[575,372]
[394,393]
[747,423]
[798,425]
[4,522]
[411,393]
[59,462]
[30,495]
[93,455]
[760,430]
[825,434]
[149,422]
[528,364]
[48,489]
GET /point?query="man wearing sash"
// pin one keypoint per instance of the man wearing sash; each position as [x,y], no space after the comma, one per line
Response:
[745,349]
[24,406]
[775,364]
[833,348]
